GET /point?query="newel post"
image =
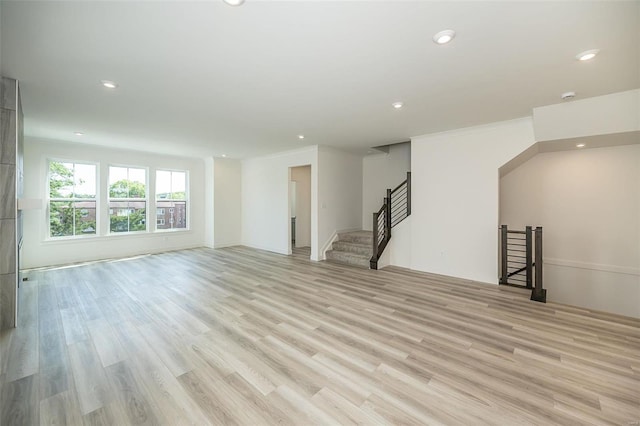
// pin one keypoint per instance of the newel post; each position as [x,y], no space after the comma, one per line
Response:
[375,241]
[529,256]
[503,254]
[408,193]
[388,216]
[539,294]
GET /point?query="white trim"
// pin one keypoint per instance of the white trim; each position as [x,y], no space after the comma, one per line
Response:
[124,257]
[108,237]
[312,148]
[30,204]
[322,255]
[222,245]
[628,270]
[271,249]
[475,129]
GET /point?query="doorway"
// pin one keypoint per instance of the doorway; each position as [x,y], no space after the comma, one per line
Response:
[300,210]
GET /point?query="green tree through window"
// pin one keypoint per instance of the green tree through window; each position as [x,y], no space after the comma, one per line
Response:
[72,205]
[127,199]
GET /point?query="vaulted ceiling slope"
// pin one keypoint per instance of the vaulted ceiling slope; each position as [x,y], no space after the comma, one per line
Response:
[204,78]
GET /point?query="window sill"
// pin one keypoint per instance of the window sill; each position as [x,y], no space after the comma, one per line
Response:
[114,236]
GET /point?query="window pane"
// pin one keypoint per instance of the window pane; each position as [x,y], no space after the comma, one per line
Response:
[118,185]
[163,184]
[137,215]
[127,216]
[137,183]
[178,185]
[85,217]
[60,218]
[126,182]
[175,216]
[85,181]
[60,179]
[67,218]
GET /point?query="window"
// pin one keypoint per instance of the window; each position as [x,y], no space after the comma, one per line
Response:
[160,212]
[171,194]
[72,199]
[127,199]
[160,222]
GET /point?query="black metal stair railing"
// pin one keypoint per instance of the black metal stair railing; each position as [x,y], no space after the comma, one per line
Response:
[395,208]
[518,267]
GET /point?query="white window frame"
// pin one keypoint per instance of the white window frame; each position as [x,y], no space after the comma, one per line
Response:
[127,200]
[49,200]
[185,200]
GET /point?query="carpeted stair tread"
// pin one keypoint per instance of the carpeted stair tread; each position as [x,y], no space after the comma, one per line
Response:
[352,248]
[348,258]
[364,249]
[359,237]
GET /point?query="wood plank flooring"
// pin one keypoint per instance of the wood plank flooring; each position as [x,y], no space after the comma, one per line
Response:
[244,337]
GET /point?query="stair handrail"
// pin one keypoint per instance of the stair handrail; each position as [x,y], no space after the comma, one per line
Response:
[395,208]
[507,250]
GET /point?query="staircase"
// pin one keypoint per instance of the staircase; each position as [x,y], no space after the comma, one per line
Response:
[395,208]
[352,248]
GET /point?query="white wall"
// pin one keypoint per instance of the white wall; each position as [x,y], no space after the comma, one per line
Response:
[614,113]
[588,203]
[336,194]
[455,197]
[266,223]
[226,202]
[339,192]
[302,177]
[379,172]
[208,202]
[398,250]
[38,251]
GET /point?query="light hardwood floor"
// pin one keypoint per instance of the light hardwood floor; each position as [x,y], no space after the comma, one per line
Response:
[240,336]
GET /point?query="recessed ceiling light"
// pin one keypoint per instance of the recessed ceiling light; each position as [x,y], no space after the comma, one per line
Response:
[587,54]
[397,105]
[580,145]
[109,84]
[224,155]
[78,133]
[568,95]
[233,2]
[444,37]
[300,136]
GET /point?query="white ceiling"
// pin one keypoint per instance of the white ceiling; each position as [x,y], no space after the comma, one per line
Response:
[204,78]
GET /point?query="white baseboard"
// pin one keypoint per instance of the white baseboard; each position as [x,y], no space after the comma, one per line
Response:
[265,248]
[221,245]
